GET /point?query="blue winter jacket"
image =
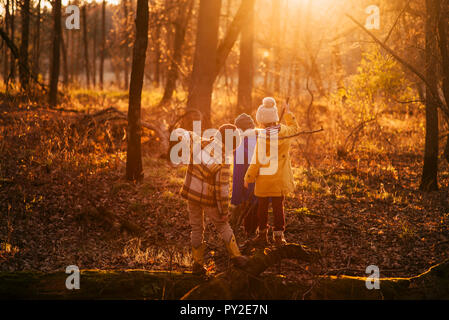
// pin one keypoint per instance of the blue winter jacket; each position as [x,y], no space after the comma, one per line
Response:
[243,154]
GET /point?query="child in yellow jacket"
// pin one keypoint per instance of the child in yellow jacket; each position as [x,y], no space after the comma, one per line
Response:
[277,184]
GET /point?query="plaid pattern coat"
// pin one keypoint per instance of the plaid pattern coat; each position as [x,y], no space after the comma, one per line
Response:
[207,183]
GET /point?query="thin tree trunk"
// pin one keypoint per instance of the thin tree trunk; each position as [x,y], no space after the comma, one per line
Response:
[204,69]
[103,42]
[5,49]
[443,44]
[203,75]
[54,74]
[94,49]
[429,180]
[65,71]
[444,50]
[25,13]
[275,38]
[157,56]
[134,153]
[181,23]
[37,40]
[12,69]
[246,65]
[126,47]
[86,46]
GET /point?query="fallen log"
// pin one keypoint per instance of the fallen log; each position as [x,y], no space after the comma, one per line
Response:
[97,284]
[246,284]
[430,285]
[232,284]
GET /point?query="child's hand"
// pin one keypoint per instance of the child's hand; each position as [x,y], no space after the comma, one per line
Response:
[225,218]
[245,184]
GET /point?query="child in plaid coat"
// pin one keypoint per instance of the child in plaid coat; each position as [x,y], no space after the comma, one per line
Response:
[206,188]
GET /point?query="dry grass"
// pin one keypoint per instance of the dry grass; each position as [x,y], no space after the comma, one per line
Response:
[358,207]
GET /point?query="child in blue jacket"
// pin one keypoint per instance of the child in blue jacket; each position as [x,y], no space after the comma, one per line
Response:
[243,198]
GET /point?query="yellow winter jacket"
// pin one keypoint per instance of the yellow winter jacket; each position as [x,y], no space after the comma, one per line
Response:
[280,182]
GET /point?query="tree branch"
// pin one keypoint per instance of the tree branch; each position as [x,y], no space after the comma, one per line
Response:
[435,94]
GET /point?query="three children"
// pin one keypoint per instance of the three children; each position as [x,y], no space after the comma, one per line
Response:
[206,185]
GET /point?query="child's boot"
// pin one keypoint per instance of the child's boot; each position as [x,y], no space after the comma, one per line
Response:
[237,258]
[198,259]
[262,238]
[278,237]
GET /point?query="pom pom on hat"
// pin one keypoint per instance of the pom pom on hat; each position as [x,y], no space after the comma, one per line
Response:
[269,102]
[268,111]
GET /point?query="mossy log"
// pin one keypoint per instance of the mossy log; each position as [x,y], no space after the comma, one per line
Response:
[430,285]
[97,284]
[232,284]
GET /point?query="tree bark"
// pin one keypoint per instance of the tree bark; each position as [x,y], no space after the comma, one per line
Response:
[204,64]
[246,65]
[444,50]
[443,45]
[12,69]
[103,42]
[94,47]
[182,20]
[225,46]
[204,73]
[157,56]
[54,74]
[86,46]
[429,180]
[37,41]
[126,47]
[23,52]
[134,154]
[5,50]
[65,71]
[275,38]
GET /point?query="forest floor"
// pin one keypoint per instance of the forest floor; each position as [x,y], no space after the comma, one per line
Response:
[64,201]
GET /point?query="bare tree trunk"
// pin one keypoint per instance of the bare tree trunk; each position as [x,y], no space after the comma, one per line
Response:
[226,44]
[23,74]
[94,49]
[275,38]
[246,65]
[204,69]
[12,69]
[37,40]
[429,180]
[339,71]
[181,23]
[65,71]
[103,42]
[203,74]
[86,46]
[443,44]
[157,56]
[126,47]
[444,50]
[5,49]
[54,74]
[134,153]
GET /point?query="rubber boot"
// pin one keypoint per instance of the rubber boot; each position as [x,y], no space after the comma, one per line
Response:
[237,258]
[262,239]
[198,259]
[278,237]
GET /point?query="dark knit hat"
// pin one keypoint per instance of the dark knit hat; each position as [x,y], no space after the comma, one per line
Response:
[236,139]
[244,122]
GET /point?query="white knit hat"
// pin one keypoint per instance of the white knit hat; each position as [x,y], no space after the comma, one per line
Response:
[267,112]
